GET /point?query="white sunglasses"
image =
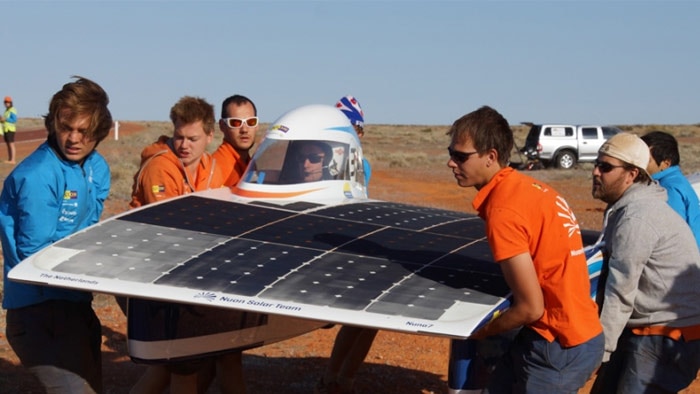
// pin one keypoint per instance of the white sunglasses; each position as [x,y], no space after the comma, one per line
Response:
[235,123]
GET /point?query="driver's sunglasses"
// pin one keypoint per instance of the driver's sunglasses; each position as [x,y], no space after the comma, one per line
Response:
[313,158]
[604,167]
[459,157]
[235,123]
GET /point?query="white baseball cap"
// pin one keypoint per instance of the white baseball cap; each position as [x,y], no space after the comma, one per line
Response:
[629,148]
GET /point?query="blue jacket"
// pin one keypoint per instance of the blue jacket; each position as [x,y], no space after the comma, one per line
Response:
[368,171]
[43,200]
[681,197]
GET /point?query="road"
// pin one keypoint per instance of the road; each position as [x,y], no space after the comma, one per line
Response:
[30,135]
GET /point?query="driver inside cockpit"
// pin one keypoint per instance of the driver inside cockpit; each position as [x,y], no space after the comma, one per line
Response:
[312,159]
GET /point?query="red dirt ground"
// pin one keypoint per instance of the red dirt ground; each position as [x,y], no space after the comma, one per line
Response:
[397,363]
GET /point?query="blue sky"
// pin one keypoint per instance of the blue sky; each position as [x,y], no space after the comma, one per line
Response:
[408,62]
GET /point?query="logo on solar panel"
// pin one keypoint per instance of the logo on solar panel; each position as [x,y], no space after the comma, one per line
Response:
[207,295]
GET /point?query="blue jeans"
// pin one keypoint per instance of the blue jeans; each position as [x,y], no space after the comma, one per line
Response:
[534,365]
[649,364]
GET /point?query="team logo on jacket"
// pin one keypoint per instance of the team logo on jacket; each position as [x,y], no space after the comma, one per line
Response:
[70,195]
[539,187]
[563,211]
[155,189]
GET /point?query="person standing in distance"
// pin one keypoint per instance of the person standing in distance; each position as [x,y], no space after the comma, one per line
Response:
[536,240]
[239,124]
[59,189]
[9,125]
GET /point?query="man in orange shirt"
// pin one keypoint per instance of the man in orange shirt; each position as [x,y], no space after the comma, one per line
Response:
[170,167]
[536,240]
[239,123]
[177,165]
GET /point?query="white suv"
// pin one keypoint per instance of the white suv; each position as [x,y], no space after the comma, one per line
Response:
[564,145]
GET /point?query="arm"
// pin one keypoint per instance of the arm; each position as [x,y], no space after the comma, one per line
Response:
[677,202]
[630,247]
[368,171]
[100,178]
[528,301]
[36,209]
[160,181]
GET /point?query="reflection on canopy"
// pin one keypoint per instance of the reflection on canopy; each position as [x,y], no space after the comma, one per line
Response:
[280,162]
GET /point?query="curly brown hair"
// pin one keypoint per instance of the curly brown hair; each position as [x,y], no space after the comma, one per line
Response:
[78,98]
[192,109]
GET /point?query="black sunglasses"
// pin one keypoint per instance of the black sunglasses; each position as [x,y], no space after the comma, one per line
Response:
[459,157]
[313,158]
[604,167]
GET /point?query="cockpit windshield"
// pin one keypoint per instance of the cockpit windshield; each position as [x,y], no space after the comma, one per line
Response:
[284,162]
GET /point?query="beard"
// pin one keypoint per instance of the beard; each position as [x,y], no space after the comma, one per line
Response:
[597,191]
[608,192]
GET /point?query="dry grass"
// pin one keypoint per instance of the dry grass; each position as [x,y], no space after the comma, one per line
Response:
[410,146]
[418,148]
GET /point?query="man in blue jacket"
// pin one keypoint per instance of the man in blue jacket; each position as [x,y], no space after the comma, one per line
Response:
[56,191]
[664,167]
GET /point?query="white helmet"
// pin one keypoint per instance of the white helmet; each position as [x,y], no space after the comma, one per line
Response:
[312,122]
[313,148]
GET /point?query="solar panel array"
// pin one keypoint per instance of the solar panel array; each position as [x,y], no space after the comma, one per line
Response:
[378,257]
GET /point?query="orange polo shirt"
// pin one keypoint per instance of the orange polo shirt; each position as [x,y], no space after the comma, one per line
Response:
[524,215]
[230,163]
